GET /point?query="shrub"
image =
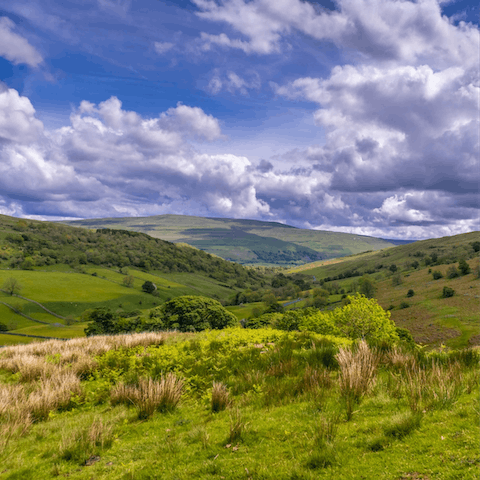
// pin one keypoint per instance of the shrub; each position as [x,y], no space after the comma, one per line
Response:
[396,280]
[448,292]
[410,293]
[437,275]
[404,305]
[464,267]
[452,272]
[148,287]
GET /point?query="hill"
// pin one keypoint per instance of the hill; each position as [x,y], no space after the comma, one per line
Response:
[245,241]
[68,271]
[430,318]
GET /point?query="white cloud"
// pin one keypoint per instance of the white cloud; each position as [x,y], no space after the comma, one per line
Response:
[403,32]
[232,83]
[16,48]
[163,47]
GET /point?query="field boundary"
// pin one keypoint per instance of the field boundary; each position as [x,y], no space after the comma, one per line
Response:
[18,312]
[39,304]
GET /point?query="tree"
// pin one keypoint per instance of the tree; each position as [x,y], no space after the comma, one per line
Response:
[410,293]
[367,286]
[128,281]
[393,268]
[448,292]
[364,318]
[191,313]
[102,321]
[437,275]
[149,287]
[452,272]
[12,286]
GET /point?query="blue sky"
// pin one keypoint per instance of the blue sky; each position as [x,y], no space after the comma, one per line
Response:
[359,116]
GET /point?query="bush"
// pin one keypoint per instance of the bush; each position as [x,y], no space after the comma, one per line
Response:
[437,275]
[404,305]
[410,293]
[149,287]
[452,272]
[448,292]
[464,267]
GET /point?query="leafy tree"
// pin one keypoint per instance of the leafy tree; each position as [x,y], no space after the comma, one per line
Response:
[464,267]
[12,286]
[415,264]
[437,275]
[149,287]
[3,327]
[393,268]
[367,286]
[192,313]
[102,322]
[364,318]
[128,281]
[475,246]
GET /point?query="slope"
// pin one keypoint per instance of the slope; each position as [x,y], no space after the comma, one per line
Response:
[245,241]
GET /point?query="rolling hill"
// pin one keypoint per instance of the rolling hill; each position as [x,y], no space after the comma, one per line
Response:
[245,241]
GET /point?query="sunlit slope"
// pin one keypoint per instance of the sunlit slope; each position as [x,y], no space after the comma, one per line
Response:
[245,241]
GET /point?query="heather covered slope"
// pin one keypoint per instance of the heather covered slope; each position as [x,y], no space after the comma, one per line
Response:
[245,241]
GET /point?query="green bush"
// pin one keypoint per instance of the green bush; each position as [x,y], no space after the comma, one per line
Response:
[437,275]
[448,292]
[404,305]
[452,272]
[410,293]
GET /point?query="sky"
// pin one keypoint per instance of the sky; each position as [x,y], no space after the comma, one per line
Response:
[359,116]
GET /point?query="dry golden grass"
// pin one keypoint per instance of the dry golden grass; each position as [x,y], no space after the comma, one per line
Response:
[357,373]
[150,395]
[220,397]
[76,356]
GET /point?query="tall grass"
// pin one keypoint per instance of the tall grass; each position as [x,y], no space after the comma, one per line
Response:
[220,397]
[357,374]
[149,395]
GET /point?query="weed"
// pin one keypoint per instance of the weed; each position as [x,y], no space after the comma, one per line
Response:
[86,443]
[238,426]
[220,397]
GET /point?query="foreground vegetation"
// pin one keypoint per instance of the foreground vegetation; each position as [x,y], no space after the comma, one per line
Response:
[237,403]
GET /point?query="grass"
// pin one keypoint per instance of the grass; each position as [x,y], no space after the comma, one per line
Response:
[300,433]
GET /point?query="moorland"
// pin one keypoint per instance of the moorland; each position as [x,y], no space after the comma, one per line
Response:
[356,367]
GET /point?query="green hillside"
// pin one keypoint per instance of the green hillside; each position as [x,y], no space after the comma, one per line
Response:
[245,241]
[431,319]
[69,271]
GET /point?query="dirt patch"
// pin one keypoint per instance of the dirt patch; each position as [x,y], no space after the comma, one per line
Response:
[475,340]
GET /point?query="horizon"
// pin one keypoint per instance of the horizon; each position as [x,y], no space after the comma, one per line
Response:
[358,117]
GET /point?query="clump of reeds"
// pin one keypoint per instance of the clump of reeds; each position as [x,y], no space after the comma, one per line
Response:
[85,443]
[238,425]
[357,374]
[150,395]
[220,397]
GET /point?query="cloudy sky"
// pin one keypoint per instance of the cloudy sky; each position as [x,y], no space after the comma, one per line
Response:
[359,116]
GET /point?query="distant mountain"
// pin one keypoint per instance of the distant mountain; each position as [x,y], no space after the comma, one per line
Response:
[396,241]
[244,241]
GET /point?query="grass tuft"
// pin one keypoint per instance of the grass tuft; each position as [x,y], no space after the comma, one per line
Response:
[220,397]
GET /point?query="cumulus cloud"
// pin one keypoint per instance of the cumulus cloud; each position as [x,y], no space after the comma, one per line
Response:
[389,31]
[16,48]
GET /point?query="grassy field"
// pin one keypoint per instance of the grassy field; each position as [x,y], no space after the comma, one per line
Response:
[280,408]
[244,241]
